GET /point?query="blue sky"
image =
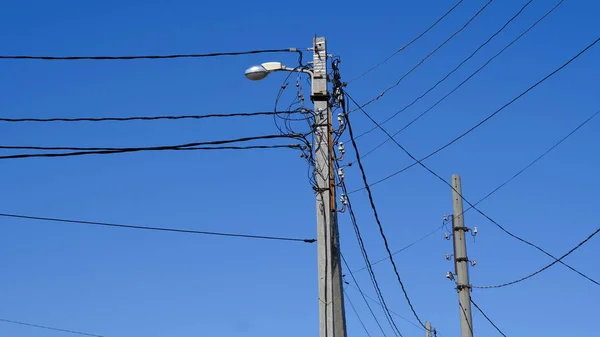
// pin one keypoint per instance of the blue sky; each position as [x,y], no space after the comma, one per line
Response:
[117,282]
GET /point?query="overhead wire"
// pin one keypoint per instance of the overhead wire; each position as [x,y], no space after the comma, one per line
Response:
[50,328]
[488,318]
[366,259]
[533,162]
[365,299]
[376,98]
[109,150]
[420,162]
[149,228]
[145,118]
[357,314]
[474,127]
[414,120]
[152,57]
[579,245]
[391,311]
[464,312]
[377,220]
[516,15]
[437,229]
[338,88]
[415,39]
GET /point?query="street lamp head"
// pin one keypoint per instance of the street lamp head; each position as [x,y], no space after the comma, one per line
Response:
[256,73]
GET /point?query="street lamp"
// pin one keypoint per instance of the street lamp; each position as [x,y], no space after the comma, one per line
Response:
[257,73]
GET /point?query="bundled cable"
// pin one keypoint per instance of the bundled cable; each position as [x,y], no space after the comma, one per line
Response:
[146,118]
[179,147]
[150,57]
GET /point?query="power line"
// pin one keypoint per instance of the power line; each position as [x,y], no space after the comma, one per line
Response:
[403,248]
[357,315]
[365,255]
[146,118]
[488,319]
[161,229]
[115,150]
[376,215]
[464,312]
[367,302]
[546,267]
[152,57]
[426,57]
[536,159]
[49,328]
[419,162]
[393,312]
[391,137]
[414,120]
[453,70]
[409,43]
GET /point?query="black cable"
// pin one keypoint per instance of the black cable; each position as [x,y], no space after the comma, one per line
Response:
[559,260]
[414,120]
[409,43]
[428,56]
[357,314]
[485,119]
[464,312]
[364,299]
[49,328]
[137,57]
[488,319]
[536,159]
[162,229]
[145,118]
[365,255]
[453,70]
[403,248]
[98,150]
[393,312]
[376,215]
[419,162]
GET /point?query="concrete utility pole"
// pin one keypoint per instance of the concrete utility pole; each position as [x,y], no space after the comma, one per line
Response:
[461,262]
[331,299]
[428,332]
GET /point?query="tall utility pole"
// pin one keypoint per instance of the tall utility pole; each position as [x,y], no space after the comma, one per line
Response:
[461,261]
[428,329]
[331,299]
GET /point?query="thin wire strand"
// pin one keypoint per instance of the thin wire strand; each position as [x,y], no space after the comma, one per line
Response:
[152,57]
[467,201]
[161,229]
[414,120]
[376,98]
[516,15]
[376,215]
[482,121]
[487,318]
[540,157]
[418,37]
[49,328]
[559,260]
[464,312]
[93,150]
[365,298]
[366,259]
[393,312]
[357,315]
[403,248]
[145,118]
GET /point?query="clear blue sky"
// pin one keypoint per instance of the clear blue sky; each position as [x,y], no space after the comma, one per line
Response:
[123,283]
